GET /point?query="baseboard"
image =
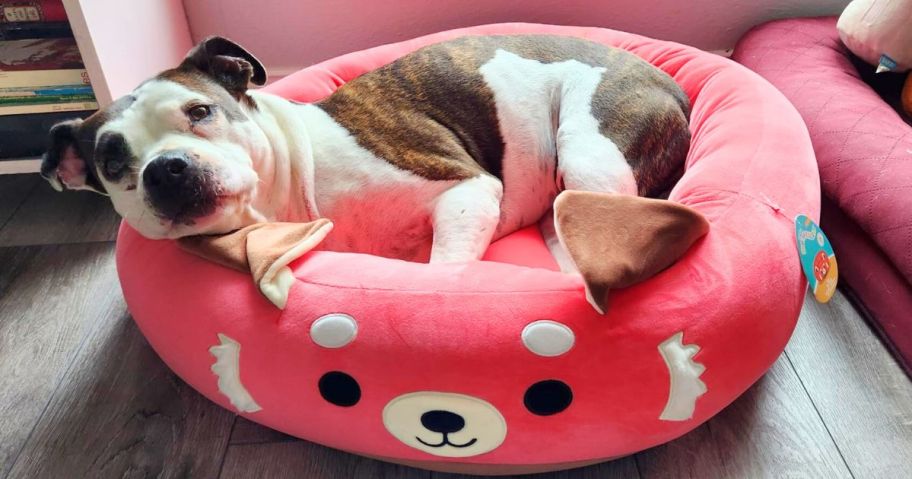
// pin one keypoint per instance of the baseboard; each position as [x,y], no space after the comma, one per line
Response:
[20,165]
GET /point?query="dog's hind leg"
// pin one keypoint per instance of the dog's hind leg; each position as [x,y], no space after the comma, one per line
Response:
[465,218]
[586,159]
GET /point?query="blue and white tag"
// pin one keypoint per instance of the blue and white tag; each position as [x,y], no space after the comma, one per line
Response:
[886,64]
[817,258]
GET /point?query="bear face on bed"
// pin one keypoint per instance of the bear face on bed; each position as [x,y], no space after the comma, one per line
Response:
[532,389]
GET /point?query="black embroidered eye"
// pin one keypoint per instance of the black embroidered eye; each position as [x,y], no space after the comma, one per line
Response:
[340,389]
[548,397]
[199,112]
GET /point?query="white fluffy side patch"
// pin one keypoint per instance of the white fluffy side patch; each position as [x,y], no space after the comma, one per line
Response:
[686,385]
[227,368]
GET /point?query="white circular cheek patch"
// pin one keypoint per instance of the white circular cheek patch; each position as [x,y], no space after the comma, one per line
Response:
[445,424]
[547,338]
[334,330]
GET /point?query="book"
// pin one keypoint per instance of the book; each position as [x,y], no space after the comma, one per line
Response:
[43,78]
[49,91]
[40,54]
[47,108]
[27,30]
[23,136]
[42,99]
[32,11]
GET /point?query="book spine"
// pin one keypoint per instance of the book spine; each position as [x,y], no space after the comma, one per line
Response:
[47,108]
[42,78]
[40,99]
[32,11]
[39,91]
[34,30]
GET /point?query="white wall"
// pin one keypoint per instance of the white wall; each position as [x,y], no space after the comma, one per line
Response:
[123,42]
[289,34]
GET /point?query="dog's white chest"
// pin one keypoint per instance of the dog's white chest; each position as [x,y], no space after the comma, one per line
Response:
[376,207]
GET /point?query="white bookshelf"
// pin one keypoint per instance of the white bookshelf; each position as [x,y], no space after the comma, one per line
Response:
[122,43]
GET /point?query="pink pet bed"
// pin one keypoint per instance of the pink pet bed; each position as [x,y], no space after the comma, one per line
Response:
[501,366]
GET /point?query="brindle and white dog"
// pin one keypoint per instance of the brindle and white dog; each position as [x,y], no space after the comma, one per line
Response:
[428,158]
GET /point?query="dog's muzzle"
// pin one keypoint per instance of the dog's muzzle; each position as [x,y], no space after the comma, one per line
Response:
[178,188]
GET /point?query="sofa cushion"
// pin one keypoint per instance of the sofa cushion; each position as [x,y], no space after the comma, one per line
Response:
[863,147]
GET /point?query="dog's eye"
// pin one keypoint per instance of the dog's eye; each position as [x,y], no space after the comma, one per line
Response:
[340,389]
[199,112]
[548,397]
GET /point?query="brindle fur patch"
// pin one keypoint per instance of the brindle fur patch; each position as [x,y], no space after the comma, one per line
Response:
[431,113]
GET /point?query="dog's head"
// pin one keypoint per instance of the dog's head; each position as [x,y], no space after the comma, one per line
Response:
[178,155]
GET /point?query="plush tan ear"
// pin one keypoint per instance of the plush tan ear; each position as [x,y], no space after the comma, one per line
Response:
[617,241]
[263,250]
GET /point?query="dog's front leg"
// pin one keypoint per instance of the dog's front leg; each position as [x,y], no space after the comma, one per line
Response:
[465,218]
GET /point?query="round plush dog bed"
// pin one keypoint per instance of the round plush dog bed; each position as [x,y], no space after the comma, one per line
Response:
[371,355]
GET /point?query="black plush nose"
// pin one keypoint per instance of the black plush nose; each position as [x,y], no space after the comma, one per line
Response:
[178,188]
[443,422]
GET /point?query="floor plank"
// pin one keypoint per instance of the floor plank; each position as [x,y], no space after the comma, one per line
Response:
[694,455]
[50,298]
[50,217]
[121,413]
[861,393]
[303,459]
[623,468]
[13,191]
[248,432]
[771,431]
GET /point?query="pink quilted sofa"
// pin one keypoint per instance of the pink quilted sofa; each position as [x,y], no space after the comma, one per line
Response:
[864,151]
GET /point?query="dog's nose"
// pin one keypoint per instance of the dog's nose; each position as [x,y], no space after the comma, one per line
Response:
[443,422]
[178,188]
[165,170]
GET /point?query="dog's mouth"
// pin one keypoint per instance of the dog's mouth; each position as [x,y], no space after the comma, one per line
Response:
[446,442]
[197,213]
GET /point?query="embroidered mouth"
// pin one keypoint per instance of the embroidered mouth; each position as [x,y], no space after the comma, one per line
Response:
[446,442]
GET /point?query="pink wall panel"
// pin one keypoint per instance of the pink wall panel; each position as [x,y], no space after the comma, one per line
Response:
[290,34]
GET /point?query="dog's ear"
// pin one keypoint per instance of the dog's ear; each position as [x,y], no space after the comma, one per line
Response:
[63,165]
[228,63]
[263,250]
[616,241]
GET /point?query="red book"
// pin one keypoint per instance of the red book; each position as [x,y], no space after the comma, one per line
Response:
[40,54]
[32,11]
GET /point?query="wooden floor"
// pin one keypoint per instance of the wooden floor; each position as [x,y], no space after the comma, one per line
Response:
[83,395]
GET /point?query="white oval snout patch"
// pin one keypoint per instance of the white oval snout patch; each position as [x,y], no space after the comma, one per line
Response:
[547,338]
[445,424]
[334,330]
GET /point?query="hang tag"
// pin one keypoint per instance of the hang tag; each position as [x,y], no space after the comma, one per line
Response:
[886,64]
[817,258]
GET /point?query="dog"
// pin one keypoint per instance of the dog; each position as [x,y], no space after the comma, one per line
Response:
[429,158]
